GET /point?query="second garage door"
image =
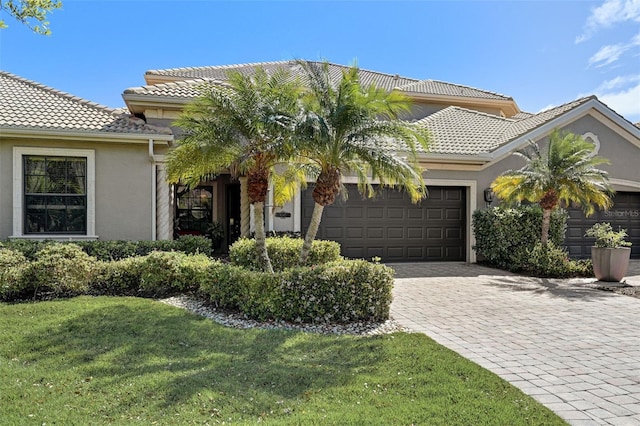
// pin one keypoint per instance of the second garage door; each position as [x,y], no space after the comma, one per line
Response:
[624,214]
[392,228]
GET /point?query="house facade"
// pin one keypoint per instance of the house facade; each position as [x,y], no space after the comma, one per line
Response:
[475,133]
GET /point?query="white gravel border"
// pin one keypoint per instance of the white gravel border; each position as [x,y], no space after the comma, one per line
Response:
[239,321]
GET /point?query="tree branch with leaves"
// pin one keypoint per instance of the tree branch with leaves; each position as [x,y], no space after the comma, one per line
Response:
[32,13]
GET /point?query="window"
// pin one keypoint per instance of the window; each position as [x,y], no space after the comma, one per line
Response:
[193,210]
[53,192]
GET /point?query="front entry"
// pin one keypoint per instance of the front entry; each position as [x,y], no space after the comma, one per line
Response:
[233,212]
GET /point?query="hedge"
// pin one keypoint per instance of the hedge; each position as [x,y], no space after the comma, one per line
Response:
[106,250]
[506,236]
[337,291]
[284,253]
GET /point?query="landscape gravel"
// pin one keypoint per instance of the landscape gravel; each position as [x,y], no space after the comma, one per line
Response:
[236,320]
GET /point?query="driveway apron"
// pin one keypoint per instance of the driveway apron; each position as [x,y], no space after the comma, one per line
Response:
[573,348]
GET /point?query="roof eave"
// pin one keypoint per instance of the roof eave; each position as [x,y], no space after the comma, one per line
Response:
[138,103]
[84,135]
[508,106]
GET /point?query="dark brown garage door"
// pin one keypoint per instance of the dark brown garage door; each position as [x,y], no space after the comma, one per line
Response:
[394,229]
[624,214]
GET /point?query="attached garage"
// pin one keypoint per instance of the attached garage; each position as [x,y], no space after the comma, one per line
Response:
[394,229]
[624,214]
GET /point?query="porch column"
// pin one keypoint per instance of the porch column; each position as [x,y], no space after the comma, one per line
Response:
[163,204]
[245,209]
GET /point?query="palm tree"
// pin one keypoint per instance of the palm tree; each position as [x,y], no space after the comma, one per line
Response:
[565,173]
[347,128]
[243,127]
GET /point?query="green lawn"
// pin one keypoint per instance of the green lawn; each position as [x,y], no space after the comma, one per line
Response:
[134,361]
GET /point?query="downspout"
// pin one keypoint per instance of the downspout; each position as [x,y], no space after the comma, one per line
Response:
[154,207]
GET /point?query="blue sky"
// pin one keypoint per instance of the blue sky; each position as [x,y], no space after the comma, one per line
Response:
[542,53]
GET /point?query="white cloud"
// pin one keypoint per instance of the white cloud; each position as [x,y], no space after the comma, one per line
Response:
[612,52]
[546,108]
[609,13]
[624,100]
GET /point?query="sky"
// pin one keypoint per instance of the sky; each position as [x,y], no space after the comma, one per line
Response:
[541,53]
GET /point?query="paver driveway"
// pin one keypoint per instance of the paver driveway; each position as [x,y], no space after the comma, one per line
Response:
[573,348]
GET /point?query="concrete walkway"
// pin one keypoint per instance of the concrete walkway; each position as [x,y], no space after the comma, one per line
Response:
[573,348]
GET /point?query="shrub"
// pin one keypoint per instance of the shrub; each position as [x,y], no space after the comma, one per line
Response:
[505,236]
[63,269]
[339,291]
[117,277]
[164,273]
[553,261]
[121,249]
[606,237]
[12,267]
[283,251]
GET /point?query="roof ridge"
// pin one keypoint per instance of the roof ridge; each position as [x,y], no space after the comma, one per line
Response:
[60,93]
[461,85]
[213,67]
[367,70]
[472,111]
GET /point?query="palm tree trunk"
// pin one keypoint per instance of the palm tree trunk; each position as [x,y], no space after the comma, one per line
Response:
[311,232]
[546,222]
[261,244]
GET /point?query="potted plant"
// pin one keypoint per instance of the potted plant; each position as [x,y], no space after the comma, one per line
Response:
[215,231]
[611,252]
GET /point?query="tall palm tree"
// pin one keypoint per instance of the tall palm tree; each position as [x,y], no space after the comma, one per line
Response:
[348,128]
[243,127]
[566,173]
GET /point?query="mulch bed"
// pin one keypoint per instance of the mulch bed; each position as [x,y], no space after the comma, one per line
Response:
[633,291]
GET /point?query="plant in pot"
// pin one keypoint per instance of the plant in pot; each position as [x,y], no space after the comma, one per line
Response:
[215,232]
[611,252]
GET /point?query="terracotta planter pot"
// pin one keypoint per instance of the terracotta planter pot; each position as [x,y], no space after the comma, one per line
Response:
[610,264]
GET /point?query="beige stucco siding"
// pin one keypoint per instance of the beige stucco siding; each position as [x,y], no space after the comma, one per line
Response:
[123,185]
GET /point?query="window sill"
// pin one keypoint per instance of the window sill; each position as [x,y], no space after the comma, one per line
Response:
[54,237]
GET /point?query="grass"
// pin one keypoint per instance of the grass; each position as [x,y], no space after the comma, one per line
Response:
[119,361]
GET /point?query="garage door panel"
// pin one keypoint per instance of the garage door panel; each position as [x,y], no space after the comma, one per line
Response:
[395,233]
[624,214]
[415,233]
[391,227]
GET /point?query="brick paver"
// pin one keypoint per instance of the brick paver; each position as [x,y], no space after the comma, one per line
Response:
[571,347]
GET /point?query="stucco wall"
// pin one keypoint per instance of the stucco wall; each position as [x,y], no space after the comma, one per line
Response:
[123,187]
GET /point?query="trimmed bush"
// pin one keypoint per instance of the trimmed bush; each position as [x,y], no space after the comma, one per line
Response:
[505,236]
[117,277]
[340,291]
[283,251]
[552,261]
[12,267]
[63,269]
[106,250]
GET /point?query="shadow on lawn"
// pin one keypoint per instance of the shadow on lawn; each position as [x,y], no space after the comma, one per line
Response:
[176,357]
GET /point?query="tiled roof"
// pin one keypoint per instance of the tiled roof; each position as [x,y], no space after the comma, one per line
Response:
[186,89]
[25,104]
[378,79]
[434,87]
[462,131]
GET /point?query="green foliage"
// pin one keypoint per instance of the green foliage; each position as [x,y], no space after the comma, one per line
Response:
[63,269]
[552,261]
[283,251]
[12,267]
[504,236]
[114,250]
[32,13]
[339,291]
[606,237]
[117,277]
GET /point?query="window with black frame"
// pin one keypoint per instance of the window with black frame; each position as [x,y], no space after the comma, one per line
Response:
[194,210]
[55,195]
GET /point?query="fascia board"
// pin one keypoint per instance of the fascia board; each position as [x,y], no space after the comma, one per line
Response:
[505,104]
[86,136]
